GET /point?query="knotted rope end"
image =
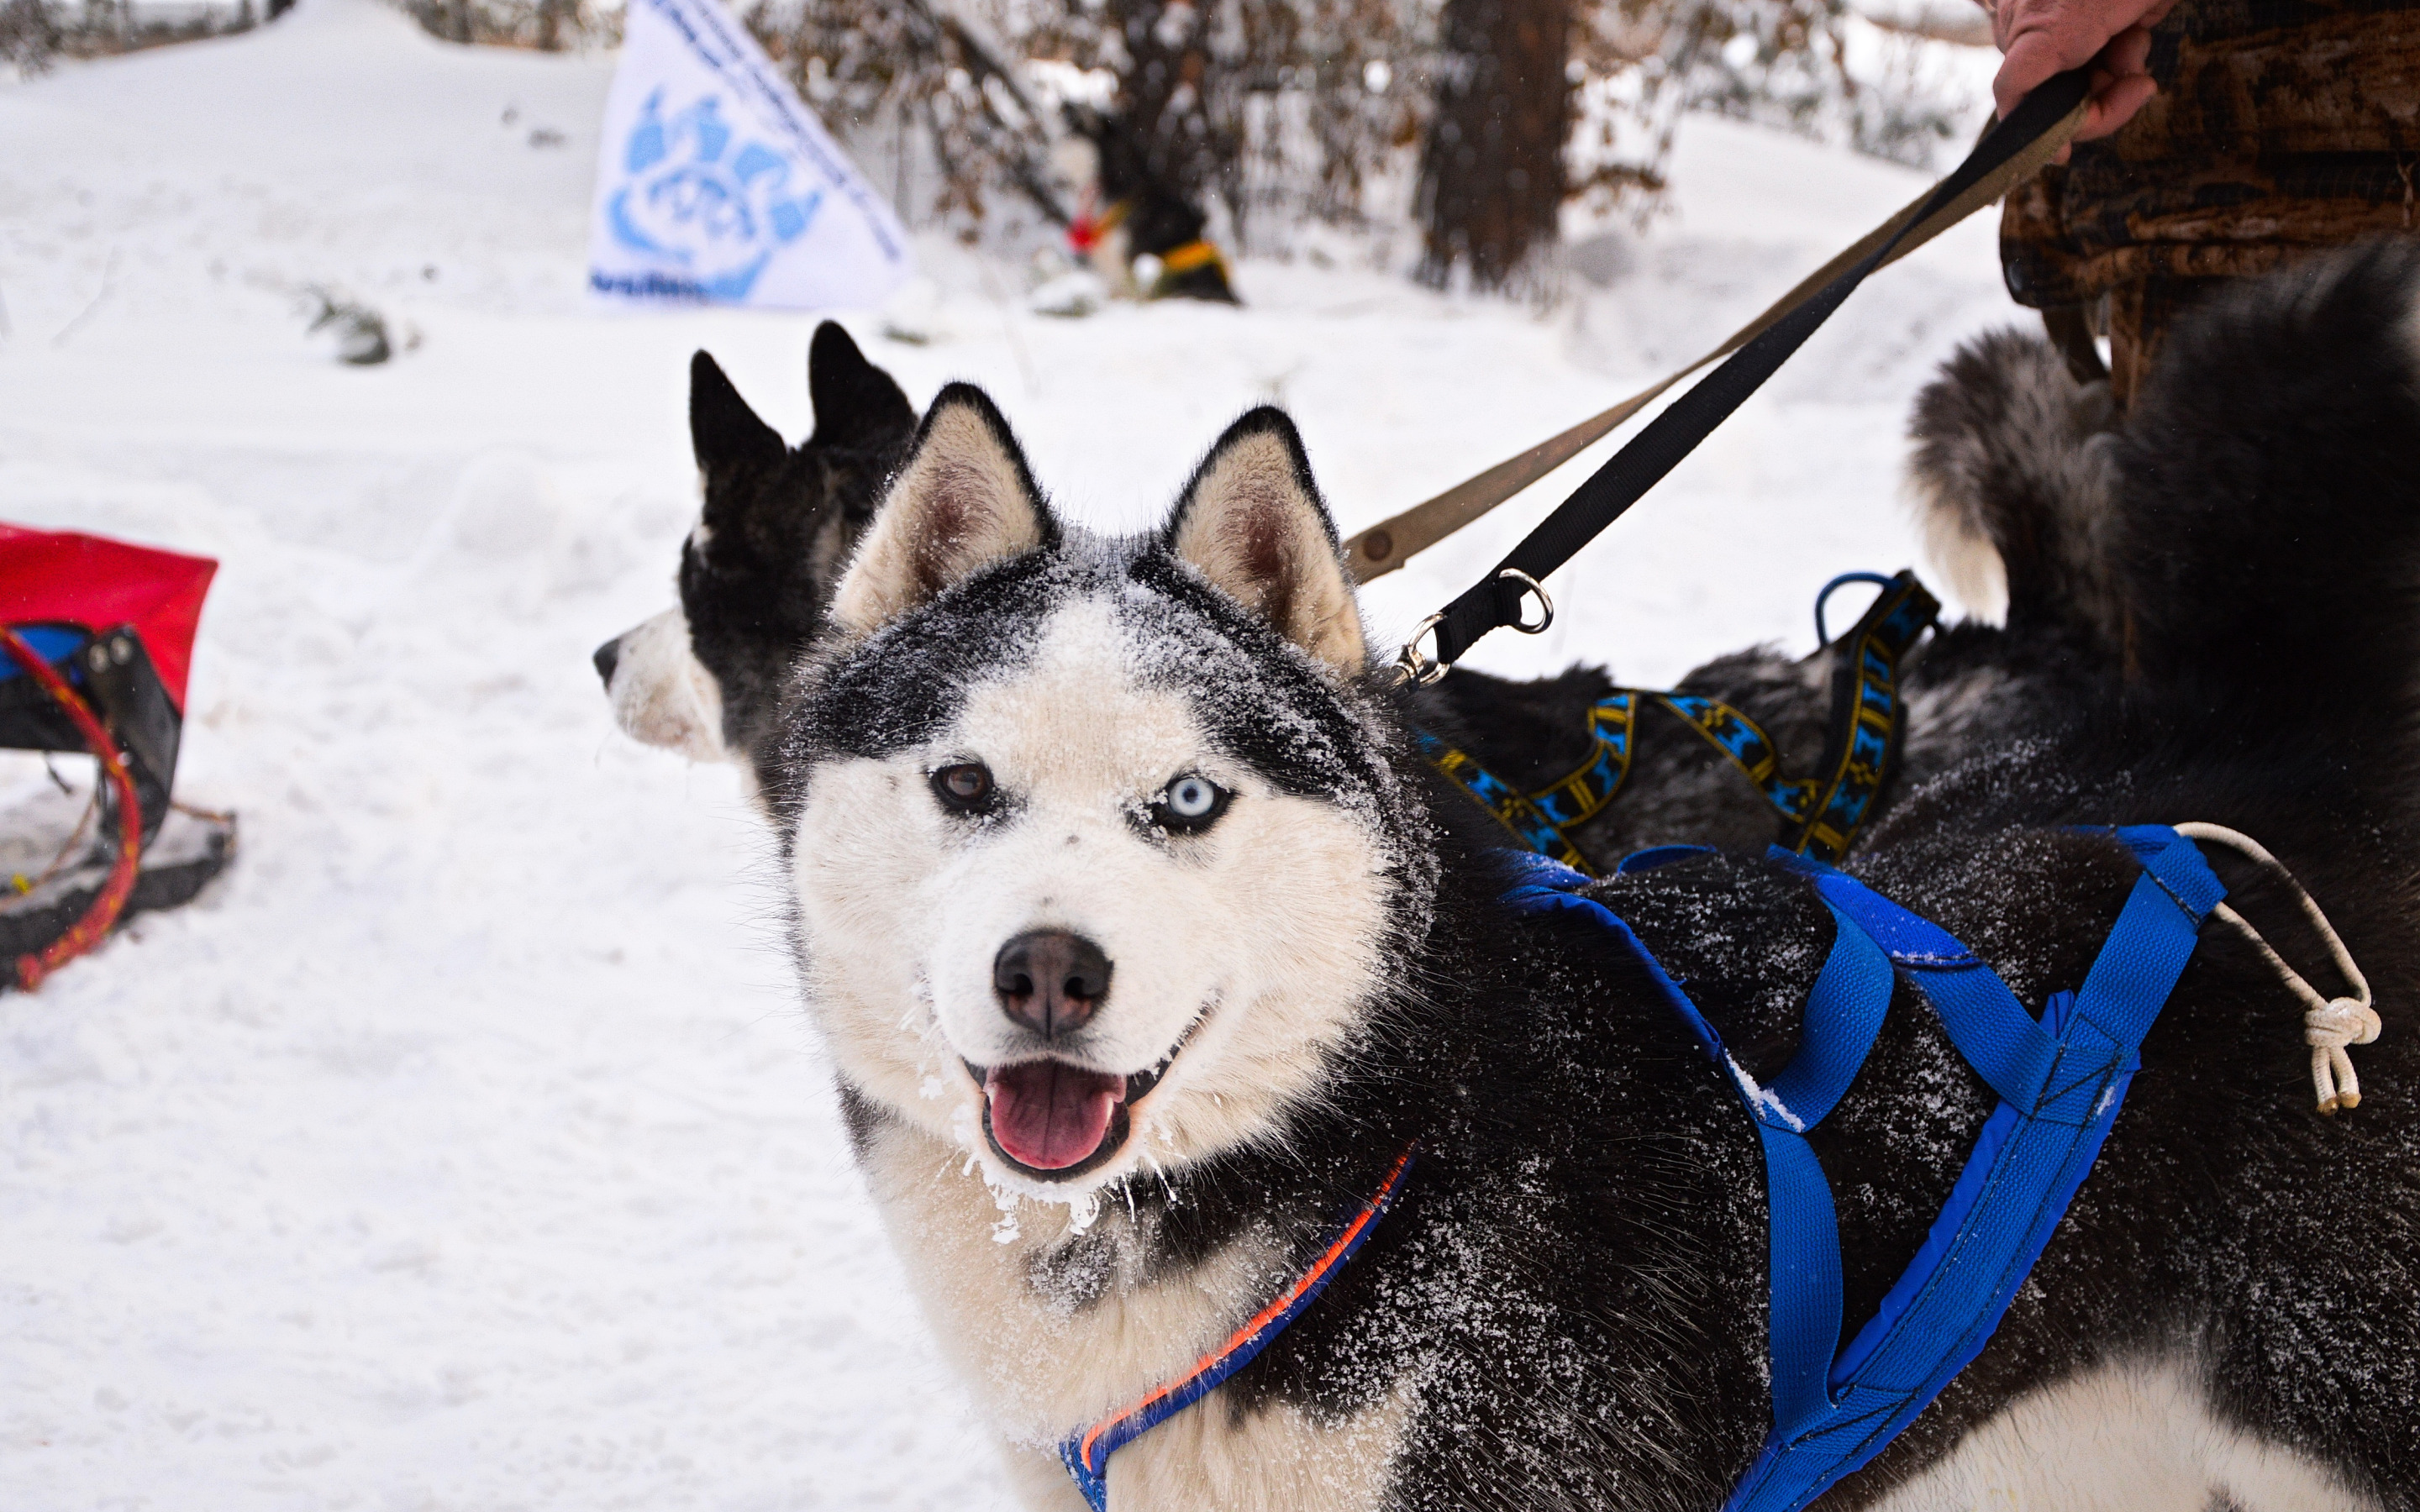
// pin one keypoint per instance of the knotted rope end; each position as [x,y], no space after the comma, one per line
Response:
[2329,1023]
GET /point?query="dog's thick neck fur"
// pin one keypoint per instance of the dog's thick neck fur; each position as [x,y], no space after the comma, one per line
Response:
[1566,1307]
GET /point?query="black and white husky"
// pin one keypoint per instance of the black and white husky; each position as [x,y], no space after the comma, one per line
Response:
[1144,949]
[706,676]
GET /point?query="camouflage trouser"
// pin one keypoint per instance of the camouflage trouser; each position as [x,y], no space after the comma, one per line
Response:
[2280,129]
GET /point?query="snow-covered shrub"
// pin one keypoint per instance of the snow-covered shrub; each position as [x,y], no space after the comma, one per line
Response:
[33,32]
[1821,69]
[358,332]
[928,92]
[1279,110]
[548,25]
[29,36]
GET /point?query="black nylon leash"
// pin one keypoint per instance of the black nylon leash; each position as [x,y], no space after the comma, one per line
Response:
[1498,599]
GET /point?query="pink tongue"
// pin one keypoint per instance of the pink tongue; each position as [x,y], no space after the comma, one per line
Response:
[1047,1116]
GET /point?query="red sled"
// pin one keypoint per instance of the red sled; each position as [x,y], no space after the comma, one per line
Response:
[96,640]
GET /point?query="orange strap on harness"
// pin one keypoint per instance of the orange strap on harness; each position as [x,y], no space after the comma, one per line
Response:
[1188,257]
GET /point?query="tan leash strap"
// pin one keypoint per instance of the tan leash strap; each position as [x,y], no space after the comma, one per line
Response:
[1386,545]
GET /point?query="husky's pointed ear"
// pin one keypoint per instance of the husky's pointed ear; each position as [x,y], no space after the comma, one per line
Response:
[1252,523]
[964,500]
[725,432]
[857,404]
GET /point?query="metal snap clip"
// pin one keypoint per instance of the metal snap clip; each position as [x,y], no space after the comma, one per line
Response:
[1414,666]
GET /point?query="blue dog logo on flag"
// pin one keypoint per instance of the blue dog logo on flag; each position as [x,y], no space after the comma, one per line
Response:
[715,183]
[717,210]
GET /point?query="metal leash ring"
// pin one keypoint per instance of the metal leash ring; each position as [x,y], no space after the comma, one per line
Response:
[1414,666]
[1529,585]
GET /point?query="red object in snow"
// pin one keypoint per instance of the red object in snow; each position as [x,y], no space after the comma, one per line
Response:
[34,966]
[1086,230]
[51,575]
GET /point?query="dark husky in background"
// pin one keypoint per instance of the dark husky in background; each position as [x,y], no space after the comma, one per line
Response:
[1144,944]
[1139,213]
[2012,477]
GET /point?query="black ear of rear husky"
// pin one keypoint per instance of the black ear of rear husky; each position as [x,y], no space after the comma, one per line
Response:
[857,404]
[723,432]
[780,523]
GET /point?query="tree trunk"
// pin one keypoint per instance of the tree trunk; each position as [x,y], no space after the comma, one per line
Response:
[1491,169]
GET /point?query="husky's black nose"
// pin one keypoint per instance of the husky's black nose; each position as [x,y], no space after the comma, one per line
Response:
[609,656]
[1050,981]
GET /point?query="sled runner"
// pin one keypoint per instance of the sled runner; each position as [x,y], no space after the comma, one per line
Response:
[96,640]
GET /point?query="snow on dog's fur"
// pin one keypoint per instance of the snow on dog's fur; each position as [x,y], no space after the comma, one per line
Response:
[1277,968]
[1244,941]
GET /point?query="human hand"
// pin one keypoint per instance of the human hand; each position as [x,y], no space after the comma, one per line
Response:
[2042,37]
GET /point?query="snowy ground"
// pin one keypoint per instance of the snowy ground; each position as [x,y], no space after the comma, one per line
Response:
[465,1147]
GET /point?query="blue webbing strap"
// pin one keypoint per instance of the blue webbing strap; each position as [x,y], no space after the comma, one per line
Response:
[1990,1028]
[1842,1015]
[2061,1082]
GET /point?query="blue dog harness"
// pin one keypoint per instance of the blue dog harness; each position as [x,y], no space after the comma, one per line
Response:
[2059,1081]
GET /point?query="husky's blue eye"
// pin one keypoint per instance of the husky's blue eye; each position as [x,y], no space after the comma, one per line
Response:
[964,787]
[1191,803]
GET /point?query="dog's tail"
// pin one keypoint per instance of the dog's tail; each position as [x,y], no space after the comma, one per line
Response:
[2271,540]
[2013,480]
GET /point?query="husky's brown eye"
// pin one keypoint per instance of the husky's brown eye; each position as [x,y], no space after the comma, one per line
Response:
[964,787]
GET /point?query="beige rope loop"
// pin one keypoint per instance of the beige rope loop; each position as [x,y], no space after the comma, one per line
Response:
[2329,1023]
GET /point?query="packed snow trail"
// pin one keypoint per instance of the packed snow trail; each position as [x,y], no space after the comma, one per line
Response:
[465,1147]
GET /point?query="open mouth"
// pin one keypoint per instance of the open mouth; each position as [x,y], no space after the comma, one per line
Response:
[1056,1121]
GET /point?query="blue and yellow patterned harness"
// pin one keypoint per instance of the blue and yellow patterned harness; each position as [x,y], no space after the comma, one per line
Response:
[1820,815]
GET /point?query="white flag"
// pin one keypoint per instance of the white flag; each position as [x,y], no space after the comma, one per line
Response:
[714,182]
